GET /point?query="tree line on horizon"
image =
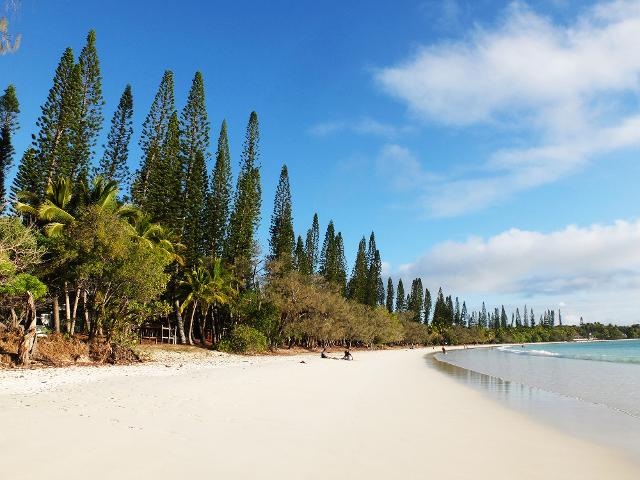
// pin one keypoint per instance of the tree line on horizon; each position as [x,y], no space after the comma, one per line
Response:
[175,242]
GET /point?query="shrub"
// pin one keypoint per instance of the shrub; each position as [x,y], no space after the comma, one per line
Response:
[244,339]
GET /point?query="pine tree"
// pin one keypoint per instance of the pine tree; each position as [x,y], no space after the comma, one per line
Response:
[380,300]
[518,319]
[76,164]
[374,272]
[457,316]
[165,195]
[390,295]
[503,318]
[525,317]
[113,165]
[154,135]
[327,260]
[312,244]
[219,199]
[89,108]
[194,123]
[282,237]
[29,177]
[473,320]
[9,109]
[464,316]
[374,280]
[449,311]
[300,261]
[357,287]
[340,275]
[56,124]
[333,263]
[482,321]
[532,319]
[559,317]
[195,209]
[240,245]
[194,142]
[400,298]
[440,311]
[427,306]
[416,301]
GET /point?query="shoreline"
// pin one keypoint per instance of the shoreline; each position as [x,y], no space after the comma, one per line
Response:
[591,419]
[384,415]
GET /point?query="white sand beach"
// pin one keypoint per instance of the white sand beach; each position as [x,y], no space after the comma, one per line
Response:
[384,415]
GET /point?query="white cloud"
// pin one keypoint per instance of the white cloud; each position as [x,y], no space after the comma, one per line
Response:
[362,126]
[401,169]
[566,90]
[447,13]
[583,268]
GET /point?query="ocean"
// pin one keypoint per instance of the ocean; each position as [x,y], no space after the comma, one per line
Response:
[589,388]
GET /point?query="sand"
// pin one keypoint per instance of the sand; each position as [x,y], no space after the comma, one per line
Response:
[384,415]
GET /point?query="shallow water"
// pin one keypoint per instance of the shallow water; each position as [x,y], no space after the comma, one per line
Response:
[596,399]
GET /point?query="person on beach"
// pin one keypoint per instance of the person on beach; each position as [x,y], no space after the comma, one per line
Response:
[347,355]
[444,350]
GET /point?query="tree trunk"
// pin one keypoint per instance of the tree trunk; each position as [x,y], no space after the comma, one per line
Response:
[27,345]
[74,312]
[56,314]
[67,308]
[91,324]
[190,333]
[176,309]
[201,328]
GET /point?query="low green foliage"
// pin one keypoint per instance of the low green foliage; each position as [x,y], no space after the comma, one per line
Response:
[23,283]
[244,339]
[19,253]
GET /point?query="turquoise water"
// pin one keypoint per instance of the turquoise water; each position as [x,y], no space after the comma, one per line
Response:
[590,388]
[618,351]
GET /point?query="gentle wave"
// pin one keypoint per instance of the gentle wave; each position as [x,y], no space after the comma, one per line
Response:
[540,353]
[593,357]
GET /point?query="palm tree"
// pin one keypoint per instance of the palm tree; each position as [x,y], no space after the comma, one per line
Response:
[63,200]
[153,235]
[203,288]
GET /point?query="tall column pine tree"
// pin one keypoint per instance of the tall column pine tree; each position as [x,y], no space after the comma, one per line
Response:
[89,109]
[312,244]
[240,245]
[9,109]
[281,234]
[194,142]
[219,196]
[154,135]
[52,145]
[113,165]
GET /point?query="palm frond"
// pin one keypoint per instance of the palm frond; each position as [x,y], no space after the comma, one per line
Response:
[53,229]
[53,213]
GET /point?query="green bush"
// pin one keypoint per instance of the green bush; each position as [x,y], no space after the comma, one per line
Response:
[244,339]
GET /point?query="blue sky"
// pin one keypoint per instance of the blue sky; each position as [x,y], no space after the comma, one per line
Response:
[491,145]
